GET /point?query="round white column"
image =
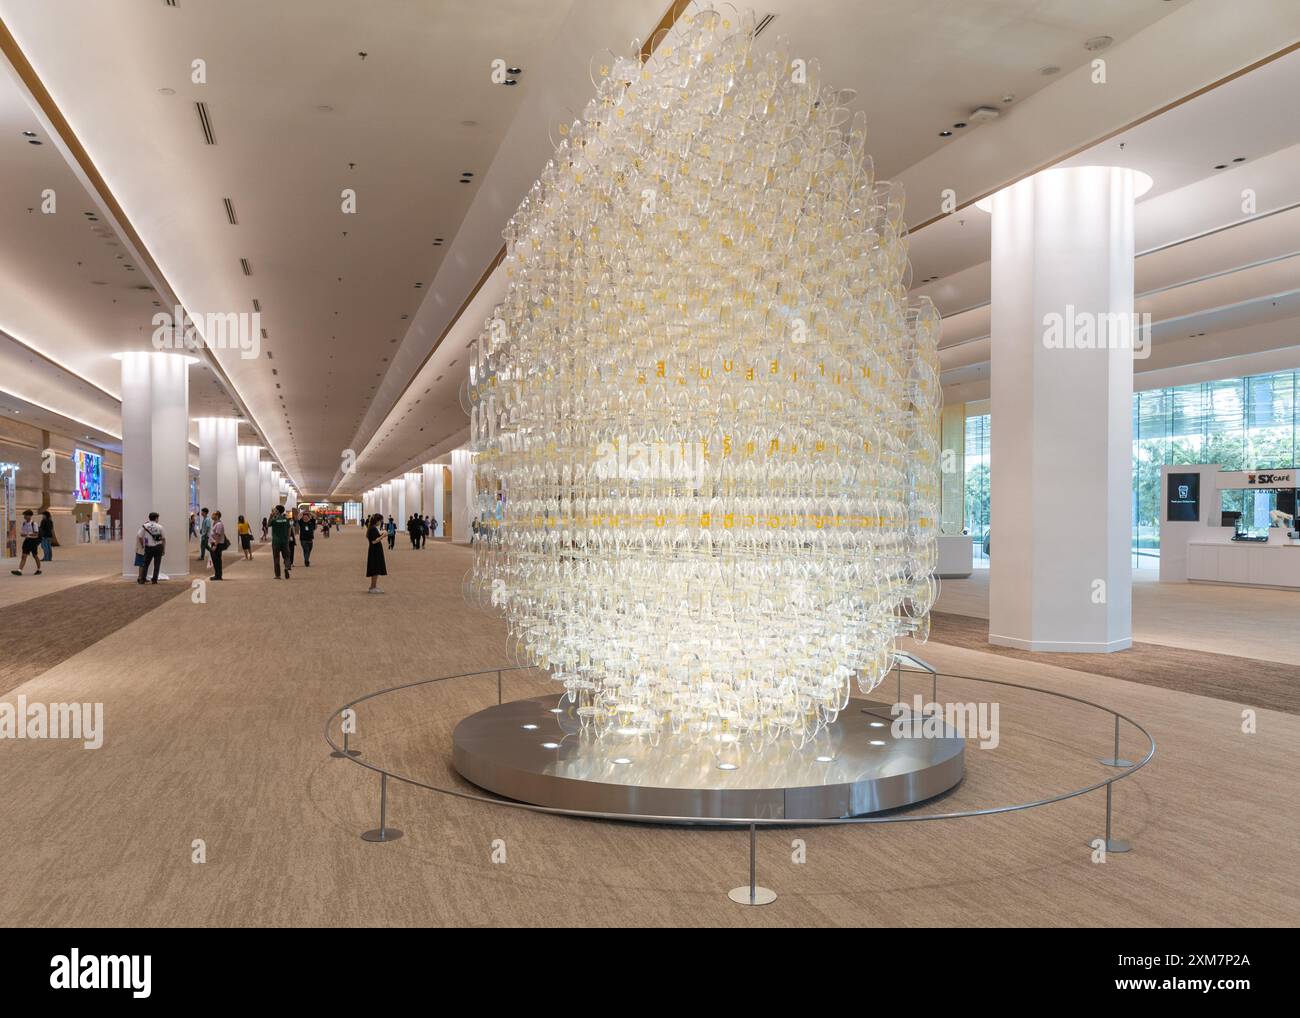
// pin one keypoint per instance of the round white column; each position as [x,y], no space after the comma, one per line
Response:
[462,494]
[155,453]
[430,475]
[412,495]
[250,486]
[219,465]
[438,513]
[1061,410]
[263,491]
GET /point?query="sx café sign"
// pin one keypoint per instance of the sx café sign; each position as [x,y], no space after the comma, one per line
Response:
[1259,479]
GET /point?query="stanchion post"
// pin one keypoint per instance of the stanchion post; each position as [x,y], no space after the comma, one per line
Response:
[383,832]
[498,687]
[1113,844]
[752,894]
[339,754]
[1115,760]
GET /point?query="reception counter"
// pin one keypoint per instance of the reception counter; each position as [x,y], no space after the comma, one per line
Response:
[1245,563]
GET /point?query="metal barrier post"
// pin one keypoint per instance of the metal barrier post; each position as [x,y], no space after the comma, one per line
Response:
[1115,760]
[752,894]
[1113,844]
[339,754]
[383,832]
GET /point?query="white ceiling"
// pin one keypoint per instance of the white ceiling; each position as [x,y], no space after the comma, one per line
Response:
[361,358]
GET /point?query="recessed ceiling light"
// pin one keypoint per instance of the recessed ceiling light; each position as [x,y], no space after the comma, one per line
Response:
[1239,159]
[510,81]
[945,134]
[721,766]
[1221,166]
[960,124]
[32,141]
[514,70]
[1049,70]
[325,109]
[550,745]
[1098,43]
[166,91]
[29,134]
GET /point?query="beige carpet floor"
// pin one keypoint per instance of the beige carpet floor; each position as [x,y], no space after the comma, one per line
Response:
[214,716]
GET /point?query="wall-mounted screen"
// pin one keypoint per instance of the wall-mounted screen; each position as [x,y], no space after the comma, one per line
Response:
[1183,504]
[90,476]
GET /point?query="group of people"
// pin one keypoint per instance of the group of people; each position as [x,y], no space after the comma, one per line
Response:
[37,540]
[286,530]
[418,529]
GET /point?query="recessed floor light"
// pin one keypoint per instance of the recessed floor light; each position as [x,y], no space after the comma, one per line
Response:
[550,745]
[722,766]
[529,728]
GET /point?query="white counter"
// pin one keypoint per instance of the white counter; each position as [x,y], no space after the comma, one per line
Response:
[956,557]
[1245,563]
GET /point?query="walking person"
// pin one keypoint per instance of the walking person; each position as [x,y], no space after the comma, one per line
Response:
[150,544]
[280,528]
[264,530]
[217,543]
[375,566]
[391,527]
[45,530]
[245,538]
[205,529]
[31,537]
[293,536]
[307,535]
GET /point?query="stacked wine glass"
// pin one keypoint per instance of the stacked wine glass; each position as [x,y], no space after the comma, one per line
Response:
[705,418]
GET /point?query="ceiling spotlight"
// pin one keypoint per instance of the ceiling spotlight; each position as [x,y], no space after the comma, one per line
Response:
[1221,166]
[945,134]
[959,125]
[467,173]
[514,70]
[1239,159]
[510,81]
[29,134]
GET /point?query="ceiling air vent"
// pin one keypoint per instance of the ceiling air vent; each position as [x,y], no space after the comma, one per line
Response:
[257,305]
[230,211]
[243,264]
[205,122]
[170,3]
[766,20]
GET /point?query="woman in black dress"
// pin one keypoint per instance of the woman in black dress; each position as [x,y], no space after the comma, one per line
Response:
[375,556]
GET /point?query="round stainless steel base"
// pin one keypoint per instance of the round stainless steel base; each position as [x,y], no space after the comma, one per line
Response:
[758,895]
[538,751]
[380,836]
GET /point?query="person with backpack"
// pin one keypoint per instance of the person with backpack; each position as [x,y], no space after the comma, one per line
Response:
[31,537]
[217,543]
[391,528]
[281,529]
[150,544]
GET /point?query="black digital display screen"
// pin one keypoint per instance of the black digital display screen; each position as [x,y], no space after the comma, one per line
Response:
[1183,502]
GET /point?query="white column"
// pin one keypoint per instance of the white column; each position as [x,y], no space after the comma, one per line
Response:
[155,453]
[399,502]
[1062,391]
[439,514]
[412,496]
[389,503]
[263,491]
[219,465]
[462,494]
[430,496]
[250,488]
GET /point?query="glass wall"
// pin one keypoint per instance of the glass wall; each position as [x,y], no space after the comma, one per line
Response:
[1238,423]
[977,486]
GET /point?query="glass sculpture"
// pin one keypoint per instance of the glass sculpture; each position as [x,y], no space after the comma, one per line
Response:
[705,418]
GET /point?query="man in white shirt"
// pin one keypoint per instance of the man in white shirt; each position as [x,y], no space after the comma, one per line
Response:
[151,542]
[31,537]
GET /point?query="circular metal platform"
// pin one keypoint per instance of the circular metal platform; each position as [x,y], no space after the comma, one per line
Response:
[536,751]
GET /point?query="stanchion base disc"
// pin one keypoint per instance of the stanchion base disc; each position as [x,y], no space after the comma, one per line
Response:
[382,834]
[761,896]
[1117,846]
[339,754]
[1110,761]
